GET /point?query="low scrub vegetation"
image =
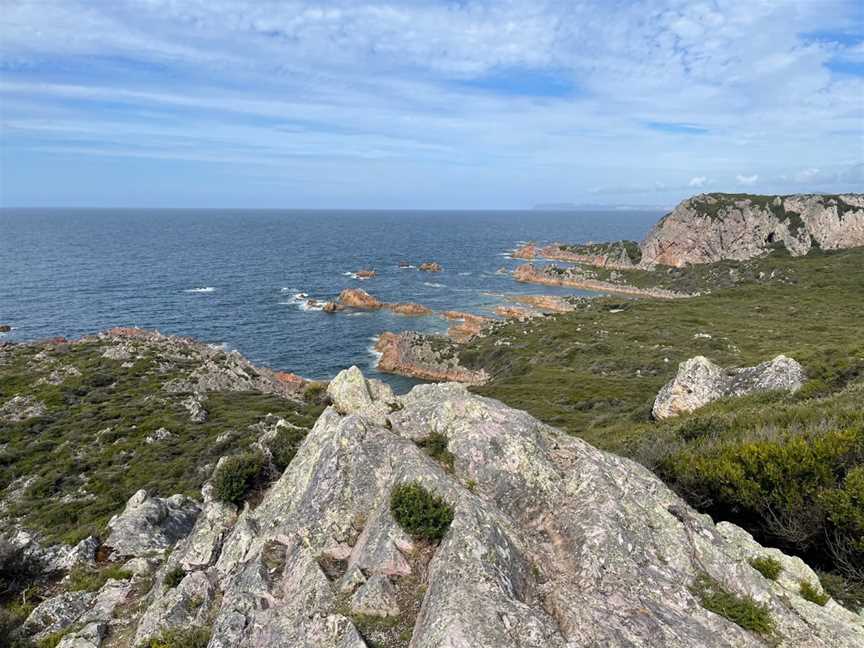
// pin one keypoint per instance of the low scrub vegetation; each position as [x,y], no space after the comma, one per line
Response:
[811,593]
[769,567]
[237,475]
[435,445]
[173,577]
[67,472]
[195,637]
[420,513]
[284,445]
[741,610]
[89,579]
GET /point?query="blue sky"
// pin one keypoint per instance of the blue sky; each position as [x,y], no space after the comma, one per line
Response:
[426,103]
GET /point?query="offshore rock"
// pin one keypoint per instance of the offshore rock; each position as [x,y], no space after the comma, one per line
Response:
[430,266]
[712,227]
[699,382]
[358,298]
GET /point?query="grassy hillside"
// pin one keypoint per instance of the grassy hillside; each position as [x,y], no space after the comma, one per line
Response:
[65,473]
[788,468]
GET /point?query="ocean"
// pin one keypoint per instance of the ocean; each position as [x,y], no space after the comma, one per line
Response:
[237,277]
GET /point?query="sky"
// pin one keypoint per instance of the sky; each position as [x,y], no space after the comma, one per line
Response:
[429,104]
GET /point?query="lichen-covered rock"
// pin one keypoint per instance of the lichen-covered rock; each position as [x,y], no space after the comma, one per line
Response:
[21,408]
[552,543]
[57,613]
[712,227]
[194,405]
[185,605]
[699,382]
[151,524]
[351,393]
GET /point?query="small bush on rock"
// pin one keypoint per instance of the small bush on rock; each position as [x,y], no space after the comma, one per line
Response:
[237,475]
[741,610]
[173,577]
[769,567]
[420,513]
[180,638]
[811,593]
[435,445]
[284,445]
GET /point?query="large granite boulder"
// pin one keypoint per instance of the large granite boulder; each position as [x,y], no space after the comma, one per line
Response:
[151,524]
[699,382]
[552,543]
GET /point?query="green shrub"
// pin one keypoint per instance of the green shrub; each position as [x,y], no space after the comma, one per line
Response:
[741,610]
[284,445]
[847,592]
[237,475]
[173,577]
[419,512]
[17,570]
[769,567]
[811,593]
[435,445]
[87,579]
[195,637]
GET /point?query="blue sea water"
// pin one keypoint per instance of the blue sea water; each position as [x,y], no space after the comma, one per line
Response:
[233,277]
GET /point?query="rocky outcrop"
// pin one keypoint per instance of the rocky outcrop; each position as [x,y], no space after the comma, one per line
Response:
[365,274]
[214,368]
[5,328]
[21,408]
[552,275]
[544,303]
[151,524]
[411,309]
[469,325]
[430,266]
[619,255]
[425,357]
[552,543]
[699,382]
[713,227]
[357,298]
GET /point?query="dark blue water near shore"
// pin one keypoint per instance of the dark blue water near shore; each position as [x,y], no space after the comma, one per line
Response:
[232,276]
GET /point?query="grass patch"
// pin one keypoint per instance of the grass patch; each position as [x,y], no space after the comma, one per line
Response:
[810,592]
[420,513]
[435,445]
[284,445]
[180,638]
[741,610]
[173,577]
[769,567]
[87,579]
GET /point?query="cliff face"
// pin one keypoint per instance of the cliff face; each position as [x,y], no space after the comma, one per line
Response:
[552,543]
[713,227]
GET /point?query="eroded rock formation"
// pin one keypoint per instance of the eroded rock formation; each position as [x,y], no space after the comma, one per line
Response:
[699,382]
[713,227]
[426,357]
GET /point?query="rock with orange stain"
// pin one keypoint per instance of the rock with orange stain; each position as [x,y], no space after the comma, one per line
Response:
[425,357]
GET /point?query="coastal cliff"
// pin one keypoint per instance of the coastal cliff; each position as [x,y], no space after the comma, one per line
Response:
[714,227]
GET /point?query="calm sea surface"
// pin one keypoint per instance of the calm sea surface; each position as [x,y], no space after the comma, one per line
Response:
[233,277]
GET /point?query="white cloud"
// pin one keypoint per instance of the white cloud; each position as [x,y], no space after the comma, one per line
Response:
[434,86]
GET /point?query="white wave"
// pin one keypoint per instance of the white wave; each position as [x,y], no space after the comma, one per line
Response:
[464,274]
[433,285]
[375,354]
[408,267]
[353,275]
[207,289]
[506,254]
[302,301]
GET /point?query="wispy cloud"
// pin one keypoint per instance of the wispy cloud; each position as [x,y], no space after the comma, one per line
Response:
[496,103]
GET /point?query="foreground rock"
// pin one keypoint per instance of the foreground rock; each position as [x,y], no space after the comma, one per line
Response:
[552,543]
[151,524]
[700,381]
[426,357]
[713,227]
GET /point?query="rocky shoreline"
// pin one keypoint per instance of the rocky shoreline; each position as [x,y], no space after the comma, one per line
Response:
[551,275]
